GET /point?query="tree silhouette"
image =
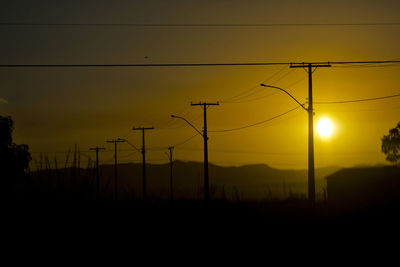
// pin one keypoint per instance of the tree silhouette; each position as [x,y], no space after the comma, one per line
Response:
[14,159]
[391,145]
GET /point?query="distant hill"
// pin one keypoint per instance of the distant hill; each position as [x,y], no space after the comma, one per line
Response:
[357,188]
[257,181]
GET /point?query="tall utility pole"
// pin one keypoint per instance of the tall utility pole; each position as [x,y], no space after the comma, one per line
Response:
[97,149]
[205,105]
[311,169]
[144,159]
[171,190]
[115,166]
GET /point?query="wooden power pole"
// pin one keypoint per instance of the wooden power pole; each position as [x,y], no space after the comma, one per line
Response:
[144,188]
[115,142]
[311,169]
[205,105]
[171,180]
[97,149]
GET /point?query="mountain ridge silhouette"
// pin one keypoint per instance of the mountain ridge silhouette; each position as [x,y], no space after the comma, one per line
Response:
[253,181]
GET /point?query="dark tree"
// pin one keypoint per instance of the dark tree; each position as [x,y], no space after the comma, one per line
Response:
[14,159]
[391,145]
[6,129]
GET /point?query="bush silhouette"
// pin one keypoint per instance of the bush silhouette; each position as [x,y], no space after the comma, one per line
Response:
[391,145]
[14,159]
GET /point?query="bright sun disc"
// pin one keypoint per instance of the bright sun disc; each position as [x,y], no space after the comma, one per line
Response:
[325,127]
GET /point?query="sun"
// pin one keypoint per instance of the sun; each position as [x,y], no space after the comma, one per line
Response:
[325,127]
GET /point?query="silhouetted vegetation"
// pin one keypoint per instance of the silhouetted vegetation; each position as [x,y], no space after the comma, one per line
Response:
[391,145]
[14,159]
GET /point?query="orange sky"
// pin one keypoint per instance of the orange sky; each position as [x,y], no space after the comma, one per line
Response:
[55,108]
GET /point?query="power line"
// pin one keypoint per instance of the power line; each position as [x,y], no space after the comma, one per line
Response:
[369,65]
[245,93]
[251,99]
[354,62]
[264,96]
[366,110]
[192,64]
[176,145]
[170,122]
[141,65]
[242,152]
[133,161]
[129,143]
[66,151]
[296,82]
[119,150]
[150,25]
[358,100]
[185,141]
[273,153]
[283,76]
[257,123]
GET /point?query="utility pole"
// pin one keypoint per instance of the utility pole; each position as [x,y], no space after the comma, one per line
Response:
[115,166]
[97,149]
[171,190]
[311,169]
[205,105]
[143,129]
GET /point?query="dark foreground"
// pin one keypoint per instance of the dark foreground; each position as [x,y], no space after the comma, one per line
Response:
[185,228]
[160,214]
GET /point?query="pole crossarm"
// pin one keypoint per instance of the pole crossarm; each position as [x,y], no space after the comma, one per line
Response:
[306,65]
[204,103]
[310,65]
[143,128]
[283,90]
[97,148]
[116,141]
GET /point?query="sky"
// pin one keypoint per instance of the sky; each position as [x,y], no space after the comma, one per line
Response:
[54,109]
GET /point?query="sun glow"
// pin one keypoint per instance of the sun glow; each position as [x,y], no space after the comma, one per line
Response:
[325,127]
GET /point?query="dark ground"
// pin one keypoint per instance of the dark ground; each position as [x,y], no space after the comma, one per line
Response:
[192,232]
[291,221]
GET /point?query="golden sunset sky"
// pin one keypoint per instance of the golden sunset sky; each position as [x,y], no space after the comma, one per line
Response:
[54,109]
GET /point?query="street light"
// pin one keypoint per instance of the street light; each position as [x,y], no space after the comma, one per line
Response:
[132,145]
[182,118]
[205,138]
[283,90]
[311,169]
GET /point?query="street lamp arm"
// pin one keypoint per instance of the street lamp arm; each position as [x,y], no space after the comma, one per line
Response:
[283,90]
[177,117]
[129,143]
